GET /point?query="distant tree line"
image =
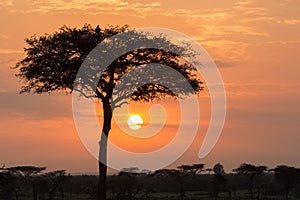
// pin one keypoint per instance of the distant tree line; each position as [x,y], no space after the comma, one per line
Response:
[186,182]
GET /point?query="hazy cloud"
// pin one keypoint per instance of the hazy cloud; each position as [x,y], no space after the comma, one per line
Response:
[6,3]
[290,21]
[38,107]
[92,7]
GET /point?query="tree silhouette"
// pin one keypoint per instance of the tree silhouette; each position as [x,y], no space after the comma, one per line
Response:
[192,169]
[173,176]
[52,62]
[218,169]
[7,184]
[250,171]
[27,172]
[184,171]
[219,180]
[127,185]
[57,180]
[287,177]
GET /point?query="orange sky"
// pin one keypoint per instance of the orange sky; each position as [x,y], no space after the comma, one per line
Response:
[255,44]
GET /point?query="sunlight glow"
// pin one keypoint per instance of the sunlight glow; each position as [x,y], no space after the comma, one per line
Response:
[135,122]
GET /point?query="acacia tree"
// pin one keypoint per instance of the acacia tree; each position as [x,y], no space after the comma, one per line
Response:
[168,176]
[57,180]
[251,172]
[27,172]
[219,181]
[52,62]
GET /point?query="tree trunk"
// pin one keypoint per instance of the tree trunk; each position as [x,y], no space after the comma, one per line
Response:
[107,116]
[251,187]
[229,194]
[102,180]
[62,193]
[287,194]
[34,190]
[35,194]
[51,192]
[16,194]
[182,192]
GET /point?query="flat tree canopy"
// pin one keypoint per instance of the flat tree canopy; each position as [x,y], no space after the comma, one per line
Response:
[53,60]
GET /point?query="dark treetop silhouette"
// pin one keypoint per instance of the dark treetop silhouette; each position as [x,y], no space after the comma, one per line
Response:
[250,171]
[53,60]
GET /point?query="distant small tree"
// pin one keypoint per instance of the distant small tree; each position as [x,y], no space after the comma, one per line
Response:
[187,170]
[219,181]
[167,177]
[218,169]
[287,176]
[126,185]
[57,180]
[251,172]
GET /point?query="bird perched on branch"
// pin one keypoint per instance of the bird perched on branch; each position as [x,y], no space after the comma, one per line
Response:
[97,30]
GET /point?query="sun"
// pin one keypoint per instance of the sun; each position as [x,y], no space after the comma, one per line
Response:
[135,122]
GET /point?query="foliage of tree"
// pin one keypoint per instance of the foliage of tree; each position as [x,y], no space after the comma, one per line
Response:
[26,171]
[192,169]
[218,169]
